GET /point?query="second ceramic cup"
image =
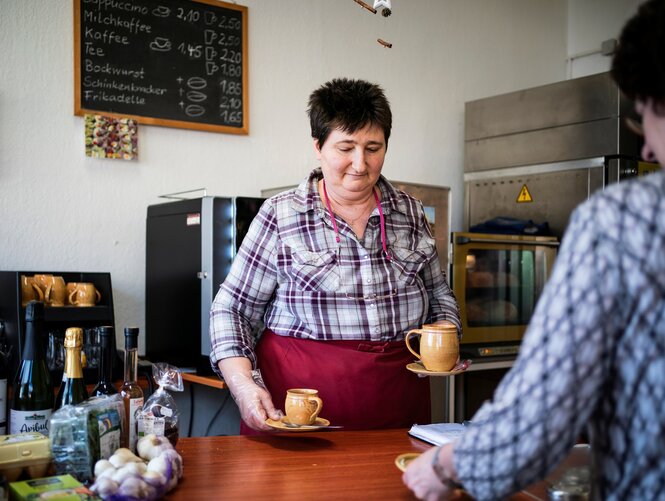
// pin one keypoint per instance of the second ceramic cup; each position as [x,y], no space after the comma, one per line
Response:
[439,346]
[56,292]
[302,406]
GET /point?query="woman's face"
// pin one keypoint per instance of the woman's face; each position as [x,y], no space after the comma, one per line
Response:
[352,162]
[653,123]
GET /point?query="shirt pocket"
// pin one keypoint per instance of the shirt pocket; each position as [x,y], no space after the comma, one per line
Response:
[408,262]
[315,271]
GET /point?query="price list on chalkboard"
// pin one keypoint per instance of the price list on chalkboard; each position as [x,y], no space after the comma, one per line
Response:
[178,63]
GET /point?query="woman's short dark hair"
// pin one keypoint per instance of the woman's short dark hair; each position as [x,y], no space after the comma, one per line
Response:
[638,65]
[348,105]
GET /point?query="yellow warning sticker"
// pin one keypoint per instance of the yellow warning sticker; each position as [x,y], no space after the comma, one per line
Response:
[524,195]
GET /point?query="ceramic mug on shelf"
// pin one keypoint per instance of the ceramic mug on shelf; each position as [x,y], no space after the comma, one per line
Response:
[30,291]
[84,294]
[439,346]
[56,291]
[302,406]
[42,280]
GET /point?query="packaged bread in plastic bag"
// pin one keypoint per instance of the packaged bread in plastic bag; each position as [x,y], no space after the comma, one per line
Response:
[159,414]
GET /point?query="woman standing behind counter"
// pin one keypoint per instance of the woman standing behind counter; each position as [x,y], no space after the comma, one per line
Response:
[338,270]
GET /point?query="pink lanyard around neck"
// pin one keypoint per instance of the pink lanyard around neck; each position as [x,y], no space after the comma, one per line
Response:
[381,219]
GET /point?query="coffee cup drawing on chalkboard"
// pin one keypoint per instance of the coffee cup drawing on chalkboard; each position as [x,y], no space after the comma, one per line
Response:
[161,44]
[161,11]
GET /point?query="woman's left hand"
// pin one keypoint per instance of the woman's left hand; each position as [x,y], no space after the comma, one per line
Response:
[421,478]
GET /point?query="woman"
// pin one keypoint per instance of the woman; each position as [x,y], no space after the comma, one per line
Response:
[338,270]
[593,356]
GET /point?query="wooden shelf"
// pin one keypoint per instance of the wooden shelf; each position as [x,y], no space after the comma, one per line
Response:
[212,381]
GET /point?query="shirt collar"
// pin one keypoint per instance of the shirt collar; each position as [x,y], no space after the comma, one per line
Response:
[306,196]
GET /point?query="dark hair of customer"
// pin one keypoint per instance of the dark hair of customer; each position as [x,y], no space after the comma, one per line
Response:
[349,105]
[638,66]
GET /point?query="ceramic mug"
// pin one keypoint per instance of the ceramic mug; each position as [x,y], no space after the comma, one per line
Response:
[439,346]
[56,291]
[302,406]
[42,280]
[30,291]
[84,294]
[71,287]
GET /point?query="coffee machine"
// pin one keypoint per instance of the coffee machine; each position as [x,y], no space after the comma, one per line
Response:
[190,245]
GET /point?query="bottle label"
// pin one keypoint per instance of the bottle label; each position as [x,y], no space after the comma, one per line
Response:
[3,406]
[27,421]
[135,405]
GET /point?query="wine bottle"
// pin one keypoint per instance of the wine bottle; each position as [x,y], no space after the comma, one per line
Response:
[131,392]
[72,389]
[4,362]
[32,398]
[105,379]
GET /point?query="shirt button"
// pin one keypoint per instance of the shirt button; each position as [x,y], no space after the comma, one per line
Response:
[365,257]
[377,330]
[369,280]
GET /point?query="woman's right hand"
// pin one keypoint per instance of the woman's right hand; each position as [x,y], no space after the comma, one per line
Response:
[253,400]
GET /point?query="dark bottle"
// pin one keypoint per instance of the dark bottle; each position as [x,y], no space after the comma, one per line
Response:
[105,379]
[32,398]
[4,361]
[131,392]
[72,389]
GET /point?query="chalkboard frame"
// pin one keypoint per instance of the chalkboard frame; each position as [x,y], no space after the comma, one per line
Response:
[79,110]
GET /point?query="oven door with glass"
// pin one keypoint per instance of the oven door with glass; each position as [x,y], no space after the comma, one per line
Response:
[497,280]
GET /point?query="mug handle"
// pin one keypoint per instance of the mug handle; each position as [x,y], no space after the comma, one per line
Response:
[38,290]
[47,294]
[417,332]
[99,296]
[72,294]
[319,405]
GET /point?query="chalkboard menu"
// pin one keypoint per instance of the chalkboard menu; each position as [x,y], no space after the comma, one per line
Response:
[177,63]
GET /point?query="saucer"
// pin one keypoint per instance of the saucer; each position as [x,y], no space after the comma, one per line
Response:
[419,368]
[284,425]
[403,460]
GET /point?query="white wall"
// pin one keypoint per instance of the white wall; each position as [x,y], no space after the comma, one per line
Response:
[63,211]
[590,23]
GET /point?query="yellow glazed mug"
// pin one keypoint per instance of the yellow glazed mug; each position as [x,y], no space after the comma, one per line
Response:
[56,291]
[302,406]
[439,346]
[84,294]
[30,291]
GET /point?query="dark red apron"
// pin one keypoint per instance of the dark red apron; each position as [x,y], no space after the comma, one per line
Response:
[363,384]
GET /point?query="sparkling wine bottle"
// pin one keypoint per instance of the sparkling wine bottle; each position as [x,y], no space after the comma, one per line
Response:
[32,399]
[105,379]
[131,392]
[72,389]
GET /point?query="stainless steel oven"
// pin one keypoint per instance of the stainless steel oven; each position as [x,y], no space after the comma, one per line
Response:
[497,280]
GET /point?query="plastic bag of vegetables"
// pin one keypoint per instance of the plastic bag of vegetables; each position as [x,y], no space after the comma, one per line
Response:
[148,476]
[159,414]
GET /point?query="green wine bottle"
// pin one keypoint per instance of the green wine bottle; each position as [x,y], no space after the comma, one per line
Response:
[72,389]
[108,353]
[32,399]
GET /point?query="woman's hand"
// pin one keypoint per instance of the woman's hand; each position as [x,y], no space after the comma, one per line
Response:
[421,478]
[253,399]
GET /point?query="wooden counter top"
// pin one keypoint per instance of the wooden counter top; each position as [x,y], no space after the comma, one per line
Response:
[330,465]
[212,381]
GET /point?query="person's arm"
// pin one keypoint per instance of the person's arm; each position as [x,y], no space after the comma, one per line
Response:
[236,312]
[248,391]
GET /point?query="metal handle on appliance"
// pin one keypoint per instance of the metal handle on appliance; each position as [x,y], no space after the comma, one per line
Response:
[467,240]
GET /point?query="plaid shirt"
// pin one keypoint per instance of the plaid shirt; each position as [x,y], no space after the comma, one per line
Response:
[291,274]
[593,355]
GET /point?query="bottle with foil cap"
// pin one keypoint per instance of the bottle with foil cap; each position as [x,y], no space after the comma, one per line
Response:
[32,396]
[72,389]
